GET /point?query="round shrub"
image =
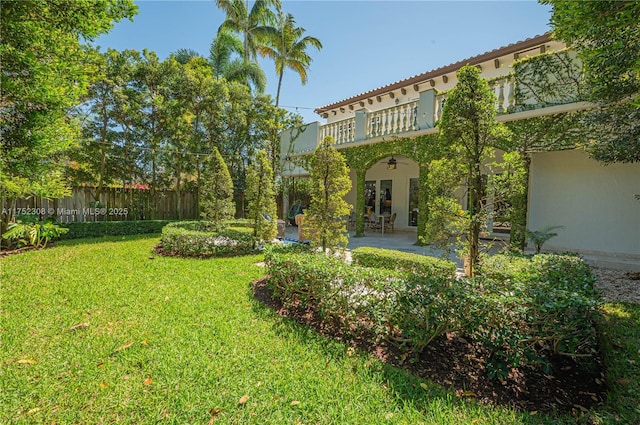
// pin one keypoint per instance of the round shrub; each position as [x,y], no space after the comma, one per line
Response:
[197,239]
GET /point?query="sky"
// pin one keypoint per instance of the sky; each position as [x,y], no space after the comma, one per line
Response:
[366,44]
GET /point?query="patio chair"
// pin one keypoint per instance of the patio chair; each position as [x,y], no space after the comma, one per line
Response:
[389,224]
[373,222]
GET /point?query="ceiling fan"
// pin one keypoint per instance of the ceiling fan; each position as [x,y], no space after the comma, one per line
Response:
[392,163]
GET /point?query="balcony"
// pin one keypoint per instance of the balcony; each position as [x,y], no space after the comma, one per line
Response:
[416,117]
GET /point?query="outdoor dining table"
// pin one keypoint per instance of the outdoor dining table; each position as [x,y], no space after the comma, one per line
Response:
[382,218]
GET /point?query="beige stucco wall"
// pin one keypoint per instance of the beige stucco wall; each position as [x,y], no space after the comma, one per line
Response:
[595,203]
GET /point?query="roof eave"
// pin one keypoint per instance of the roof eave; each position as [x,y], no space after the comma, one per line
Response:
[426,76]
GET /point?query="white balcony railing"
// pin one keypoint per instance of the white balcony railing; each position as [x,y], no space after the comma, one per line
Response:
[342,131]
[504,89]
[394,120]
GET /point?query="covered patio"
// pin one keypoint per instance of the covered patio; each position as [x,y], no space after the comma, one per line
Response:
[399,240]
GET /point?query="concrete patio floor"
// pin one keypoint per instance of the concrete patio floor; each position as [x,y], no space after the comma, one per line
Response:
[405,240]
[399,240]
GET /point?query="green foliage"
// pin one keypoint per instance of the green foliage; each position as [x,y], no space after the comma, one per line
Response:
[521,310]
[205,239]
[261,196]
[30,231]
[540,236]
[287,46]
[46,69]
[447,221]
[612,132]
[468,126]
[548,79]
[606,35]
[96,229]
[330,182]
[252,24]
[532,309]
[216,192]
[224,65]
[416,264]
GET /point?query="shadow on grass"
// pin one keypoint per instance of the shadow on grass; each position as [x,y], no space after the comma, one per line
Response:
[619,330]
[404,387]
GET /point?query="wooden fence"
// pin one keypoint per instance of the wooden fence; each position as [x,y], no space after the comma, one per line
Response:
[114,204]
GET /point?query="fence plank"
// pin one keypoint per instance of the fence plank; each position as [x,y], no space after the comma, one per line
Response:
[114,204]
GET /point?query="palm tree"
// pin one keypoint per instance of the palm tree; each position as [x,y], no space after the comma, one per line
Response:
[253,25]
[223,47]
[185,55]
[288,49]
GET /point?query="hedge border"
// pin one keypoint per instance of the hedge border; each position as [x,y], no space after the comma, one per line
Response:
[403,261]
[95,229]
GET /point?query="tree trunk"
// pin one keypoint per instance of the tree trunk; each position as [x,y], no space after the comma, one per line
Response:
[279,85]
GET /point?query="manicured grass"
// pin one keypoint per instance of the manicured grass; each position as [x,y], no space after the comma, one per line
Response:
[176,340]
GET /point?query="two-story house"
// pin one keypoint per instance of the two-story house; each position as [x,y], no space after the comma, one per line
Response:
[597,205]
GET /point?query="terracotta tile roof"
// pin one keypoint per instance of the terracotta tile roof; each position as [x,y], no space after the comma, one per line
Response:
[421,78]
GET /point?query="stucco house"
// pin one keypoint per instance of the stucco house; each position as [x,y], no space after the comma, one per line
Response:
[599,206]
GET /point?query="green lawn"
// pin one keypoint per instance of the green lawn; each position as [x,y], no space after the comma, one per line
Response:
[105,331]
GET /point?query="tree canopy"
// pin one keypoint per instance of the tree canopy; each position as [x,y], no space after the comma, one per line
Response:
[606,35]
[46,69]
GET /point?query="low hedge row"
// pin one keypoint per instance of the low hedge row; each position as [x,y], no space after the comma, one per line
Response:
[194,239]
[519,319]
[94,229]
[403,261]
[401,307]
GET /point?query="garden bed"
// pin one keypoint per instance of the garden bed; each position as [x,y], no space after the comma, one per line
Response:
[459,365]
[521,334]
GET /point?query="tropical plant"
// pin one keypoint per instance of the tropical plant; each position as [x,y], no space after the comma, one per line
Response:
[29,231]
[330,182]
[224,65]
[261,196]
[253,25]
[288,49]
[539,237]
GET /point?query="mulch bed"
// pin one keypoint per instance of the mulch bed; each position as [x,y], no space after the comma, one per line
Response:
[458,364]
[14,251]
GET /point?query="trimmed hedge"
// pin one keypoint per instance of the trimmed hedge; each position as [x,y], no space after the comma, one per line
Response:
[522,315]
[194,239]
[403,261]
[94,229]
[531,308]
[402,308]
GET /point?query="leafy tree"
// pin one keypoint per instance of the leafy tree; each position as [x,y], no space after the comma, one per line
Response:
[606,35]
[288,48]
[224,65]
[99,159]
[216,192]
[183,56]
[46,69]
[469,127]
[261,196]
[330,182]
